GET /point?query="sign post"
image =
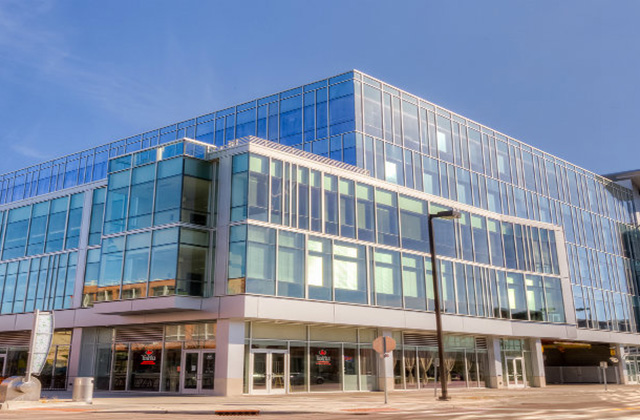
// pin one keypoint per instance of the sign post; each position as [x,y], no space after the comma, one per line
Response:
[384,346]
[603,366]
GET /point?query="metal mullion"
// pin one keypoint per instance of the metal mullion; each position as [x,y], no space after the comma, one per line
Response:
[66,222]
[126,379]
[277,254]
[53,366]
[270,161]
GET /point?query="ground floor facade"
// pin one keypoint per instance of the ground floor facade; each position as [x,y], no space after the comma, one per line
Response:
[282,346]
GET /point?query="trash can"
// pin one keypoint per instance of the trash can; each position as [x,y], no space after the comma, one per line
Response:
[82,390]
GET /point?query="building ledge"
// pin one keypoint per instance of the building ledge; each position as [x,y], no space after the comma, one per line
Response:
[149,305]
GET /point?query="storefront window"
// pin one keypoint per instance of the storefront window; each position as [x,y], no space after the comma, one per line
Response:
[120,364]
[368,362]
[350,355]
[298,367]
[145,366]
[171,370]
[325,368]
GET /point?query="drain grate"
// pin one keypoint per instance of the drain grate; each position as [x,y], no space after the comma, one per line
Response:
[237,412]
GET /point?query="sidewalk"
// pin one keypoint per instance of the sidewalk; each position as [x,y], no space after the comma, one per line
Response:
[564,397]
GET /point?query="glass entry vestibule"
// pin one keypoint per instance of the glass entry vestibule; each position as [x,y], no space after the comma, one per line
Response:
[269,371]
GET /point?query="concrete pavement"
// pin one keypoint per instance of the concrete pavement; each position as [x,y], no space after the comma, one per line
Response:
[553,402]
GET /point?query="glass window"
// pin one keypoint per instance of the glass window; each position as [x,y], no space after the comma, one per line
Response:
[349,273]
[192,262]
[239,194]
[316,201]
[117,201]
[261,253]
[237,259]
[555,304]
[74,221]
[196,200]
[258,188]
[387,212]
[517,301]
[365,208]
[347,208]
[480,240]
[276,191]
[443,233]
[413,282]
[110,269]
[447,287]
[319,268]
[91,276]
[164,259]
[136,266]
[535,298]
[444,141]
[331,204]
[290,264]
[372,111]
[495,241]
[414,223]
[303,198]
[141,197]
[57,222]
[97,213]
[388,278]
[38,228]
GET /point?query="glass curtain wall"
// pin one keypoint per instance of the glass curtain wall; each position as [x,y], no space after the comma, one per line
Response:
[337,270]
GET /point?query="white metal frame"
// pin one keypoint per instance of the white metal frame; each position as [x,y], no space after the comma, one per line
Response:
[198,389]
[511,370]
[269,371]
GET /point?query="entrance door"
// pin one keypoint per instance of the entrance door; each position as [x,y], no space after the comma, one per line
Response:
[269,371]
[516,374]
[2,359]
[198,369]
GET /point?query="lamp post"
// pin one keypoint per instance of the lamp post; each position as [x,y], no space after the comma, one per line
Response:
[447,214]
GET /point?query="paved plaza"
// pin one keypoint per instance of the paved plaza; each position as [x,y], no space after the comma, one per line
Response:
[553,402]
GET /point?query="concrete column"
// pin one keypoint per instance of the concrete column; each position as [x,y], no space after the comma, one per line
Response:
[229,357]
[494,377]
[385,366]
[73,367]
[621,365]
[537,363]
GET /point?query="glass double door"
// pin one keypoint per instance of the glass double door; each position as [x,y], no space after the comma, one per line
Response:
[269,371]
[198,367]
[516,373]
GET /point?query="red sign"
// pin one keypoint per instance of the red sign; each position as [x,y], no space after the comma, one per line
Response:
[322,359]
[148,358]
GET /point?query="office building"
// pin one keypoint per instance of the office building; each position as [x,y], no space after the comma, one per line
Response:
[263,247]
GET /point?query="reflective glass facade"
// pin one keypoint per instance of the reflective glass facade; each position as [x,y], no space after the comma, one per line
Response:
[320,195]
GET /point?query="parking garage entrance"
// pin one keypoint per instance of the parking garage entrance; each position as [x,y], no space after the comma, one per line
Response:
[569,362]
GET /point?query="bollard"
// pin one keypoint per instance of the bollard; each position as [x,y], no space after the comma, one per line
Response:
[82,390]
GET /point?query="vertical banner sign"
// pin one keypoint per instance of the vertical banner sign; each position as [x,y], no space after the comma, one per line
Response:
[41,338]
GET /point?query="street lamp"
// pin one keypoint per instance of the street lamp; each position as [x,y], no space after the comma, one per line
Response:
[447,214]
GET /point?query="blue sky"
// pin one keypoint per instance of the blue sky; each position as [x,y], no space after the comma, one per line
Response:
[562,76]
